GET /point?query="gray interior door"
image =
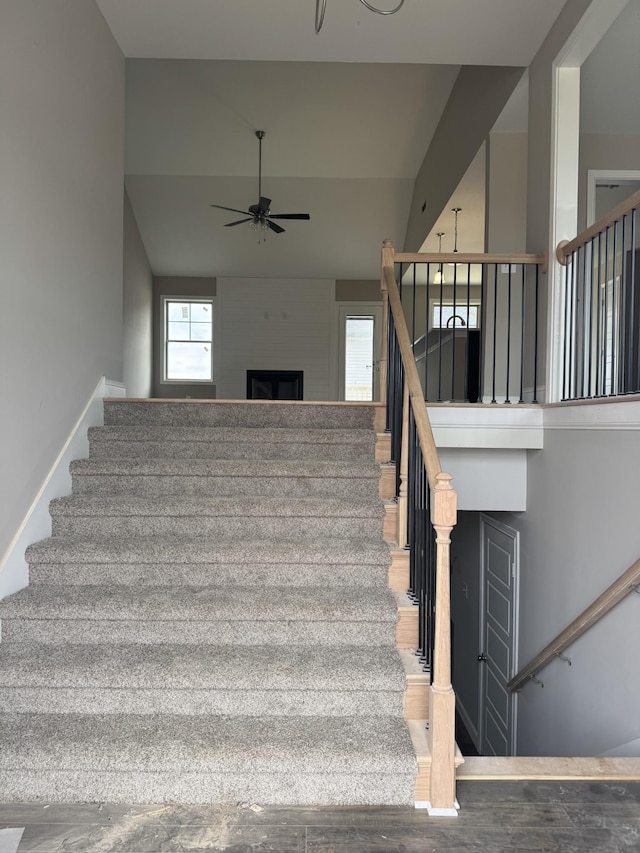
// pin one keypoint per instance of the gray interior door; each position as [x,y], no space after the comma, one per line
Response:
[498,657]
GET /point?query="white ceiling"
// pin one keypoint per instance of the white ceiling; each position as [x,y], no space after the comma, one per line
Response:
[347,128]
[458,32]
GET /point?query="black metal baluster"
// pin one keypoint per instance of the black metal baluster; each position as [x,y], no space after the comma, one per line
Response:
[614,325]
[440,345]
[572,300]
[591,298]
[598,317]
[390,337]
[635,341]
[583,321]
[625,323]
[411,508]
[466,340]
[565,358]
[535,342]
[522,327]
[413,311]
[481,341]
[453,341]
[506,399]
[605,312]
[495,332]
[426,334]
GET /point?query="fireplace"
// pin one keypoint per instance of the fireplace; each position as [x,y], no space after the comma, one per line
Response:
[274,384]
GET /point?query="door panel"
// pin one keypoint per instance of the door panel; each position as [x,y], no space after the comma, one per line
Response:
[498,637]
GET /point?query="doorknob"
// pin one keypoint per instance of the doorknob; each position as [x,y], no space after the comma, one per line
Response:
[482,658]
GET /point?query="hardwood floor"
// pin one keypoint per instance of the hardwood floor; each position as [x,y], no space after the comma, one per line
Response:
[494,817]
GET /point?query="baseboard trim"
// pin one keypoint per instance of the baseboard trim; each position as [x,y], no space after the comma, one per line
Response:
[36,524]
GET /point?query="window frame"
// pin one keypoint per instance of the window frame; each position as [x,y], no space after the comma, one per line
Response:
[461,305]
[166,340]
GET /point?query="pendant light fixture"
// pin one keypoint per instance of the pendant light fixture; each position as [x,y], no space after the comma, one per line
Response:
[321,8]
[439,277]
[455,211]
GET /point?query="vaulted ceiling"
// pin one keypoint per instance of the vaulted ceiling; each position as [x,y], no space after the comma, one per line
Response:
[349,114]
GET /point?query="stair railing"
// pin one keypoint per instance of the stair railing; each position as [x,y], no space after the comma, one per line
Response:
[600,307]
[475,321]
[629,581]
[427,515]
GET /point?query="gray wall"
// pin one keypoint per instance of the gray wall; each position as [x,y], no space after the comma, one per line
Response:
[62,163]
[137,309]
[578,535]
[476,101]
[604,151]
[507,192]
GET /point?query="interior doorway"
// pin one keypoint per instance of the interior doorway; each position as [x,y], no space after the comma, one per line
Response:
[360,325]
[498,658]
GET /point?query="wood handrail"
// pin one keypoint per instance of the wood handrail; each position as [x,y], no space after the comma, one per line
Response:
[618,590]
[467,258]
[565,248]
[416,396]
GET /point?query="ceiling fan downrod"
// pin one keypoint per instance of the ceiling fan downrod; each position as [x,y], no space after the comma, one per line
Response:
[261,135]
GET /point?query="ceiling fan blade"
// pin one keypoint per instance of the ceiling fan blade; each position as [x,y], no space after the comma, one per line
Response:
[289,216]
[232,209]
[237,222]
[274,227]
[264,204]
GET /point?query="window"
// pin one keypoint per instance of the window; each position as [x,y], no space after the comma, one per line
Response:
[188,336]
[460,318]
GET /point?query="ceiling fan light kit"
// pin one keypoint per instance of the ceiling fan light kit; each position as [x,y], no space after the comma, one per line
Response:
[259,215]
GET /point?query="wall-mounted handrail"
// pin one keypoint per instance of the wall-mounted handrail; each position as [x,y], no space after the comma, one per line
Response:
[619,589]
[566,248]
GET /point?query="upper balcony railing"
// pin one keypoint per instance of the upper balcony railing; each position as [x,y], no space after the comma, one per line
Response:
[600,307]
[474,322]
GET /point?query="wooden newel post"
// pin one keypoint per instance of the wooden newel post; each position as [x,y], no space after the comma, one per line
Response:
[387,261]
[442,701]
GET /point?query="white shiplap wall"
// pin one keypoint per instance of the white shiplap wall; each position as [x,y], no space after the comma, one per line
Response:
[275,324]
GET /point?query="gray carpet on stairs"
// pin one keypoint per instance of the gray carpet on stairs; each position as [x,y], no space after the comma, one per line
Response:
[210,621]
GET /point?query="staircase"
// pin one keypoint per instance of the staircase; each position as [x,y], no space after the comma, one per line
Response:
[210,621]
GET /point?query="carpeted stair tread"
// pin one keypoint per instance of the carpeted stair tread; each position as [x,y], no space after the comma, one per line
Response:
[364,469]
[208,631]
[198,668]
[204,744]
[204,574]
[221,507]
[208,550]
[209,604]
[226,413]
[206,516]
[229,442]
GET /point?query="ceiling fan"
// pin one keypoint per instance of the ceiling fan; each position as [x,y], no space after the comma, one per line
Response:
[259,215]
